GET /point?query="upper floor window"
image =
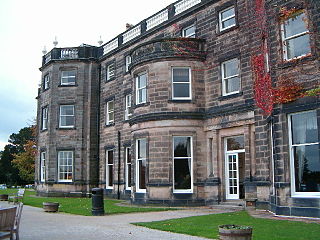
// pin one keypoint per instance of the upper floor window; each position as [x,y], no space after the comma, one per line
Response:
[189,31]
[295,37]
[44,120]
[67,117]
[304,154]
[227,18]
[68,77]
[42,166]
[110,71]
[127,112]
[181,83]
[110,112]
[46,82]
[109,169]
[65,166]
[230,77]
[128,62]
[141,88]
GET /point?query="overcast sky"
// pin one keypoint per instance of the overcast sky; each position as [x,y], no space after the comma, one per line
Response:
[26,26]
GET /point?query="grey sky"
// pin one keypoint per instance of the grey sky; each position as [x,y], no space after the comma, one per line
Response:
[26,26]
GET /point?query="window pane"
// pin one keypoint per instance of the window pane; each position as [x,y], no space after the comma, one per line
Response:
[142,174]
[110,157]
[66,110]
[228,23]
[235,143]
[69,121]
[142,148]
[231,68]
[227,13]
[181,75]
[189,32]
[182,147]
[307,168]
[182,174]
[304,128]
[295,25]
[232,85]
[128,155]
[142,81]
[298,46]
[129,175]
[110,173]
[110,106]
[181,90]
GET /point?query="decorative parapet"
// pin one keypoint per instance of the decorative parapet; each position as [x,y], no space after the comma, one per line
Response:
[157,19]
[131,34]
[84,52]
[178,48]
[110,46]
[184,5]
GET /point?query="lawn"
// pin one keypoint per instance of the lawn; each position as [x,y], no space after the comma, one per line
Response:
[81,206]
[263,229]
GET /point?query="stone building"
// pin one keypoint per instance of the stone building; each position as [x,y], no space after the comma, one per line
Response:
[165,112]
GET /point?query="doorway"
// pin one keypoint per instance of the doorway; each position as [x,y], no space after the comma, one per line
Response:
[234,167]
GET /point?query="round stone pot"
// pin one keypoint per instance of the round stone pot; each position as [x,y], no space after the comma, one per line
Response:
[50,206]
[3,197]
[235,232]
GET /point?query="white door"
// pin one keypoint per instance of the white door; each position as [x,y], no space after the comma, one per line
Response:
[232,176]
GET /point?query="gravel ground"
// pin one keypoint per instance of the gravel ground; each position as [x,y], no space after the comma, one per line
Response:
[38,225]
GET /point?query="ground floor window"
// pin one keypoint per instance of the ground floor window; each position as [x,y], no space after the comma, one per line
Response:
[141,164]
[42,166]
[128,168]
[65,166]
[109,169]
[304,153]
[182,164]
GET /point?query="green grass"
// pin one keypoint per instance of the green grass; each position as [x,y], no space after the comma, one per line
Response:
[263,229]
[81,206]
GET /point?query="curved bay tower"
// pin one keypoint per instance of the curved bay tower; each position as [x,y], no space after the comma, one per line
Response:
[164,113]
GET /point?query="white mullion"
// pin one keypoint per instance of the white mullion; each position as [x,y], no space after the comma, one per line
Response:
[296,35]
[227,18]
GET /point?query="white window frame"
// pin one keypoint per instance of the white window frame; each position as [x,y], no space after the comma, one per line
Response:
[108,165]
[44,118]
[67,77]
[59,165]
[221,20]
[284,39]
[128,149]
[224,79]
[292,170]
[184,30]
[173,83]
[191,170]
[141,88]
[46,81]
[109,111]
[43,166]
[128,62]
[127,111]
[138,190]
[61,116]
[110,74]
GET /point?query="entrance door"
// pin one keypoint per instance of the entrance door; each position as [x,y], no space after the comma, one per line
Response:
[234,167]
[232,176]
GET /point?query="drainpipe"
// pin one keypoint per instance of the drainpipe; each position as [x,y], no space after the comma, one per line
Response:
[98,128]
[119,149]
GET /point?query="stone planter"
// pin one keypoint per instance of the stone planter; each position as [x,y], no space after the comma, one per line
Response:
[3,197]
[235,232]
[50,206]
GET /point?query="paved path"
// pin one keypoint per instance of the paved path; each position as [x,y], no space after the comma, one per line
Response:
[38,225]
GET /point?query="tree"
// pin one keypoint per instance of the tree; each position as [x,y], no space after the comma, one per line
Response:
[18,173]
